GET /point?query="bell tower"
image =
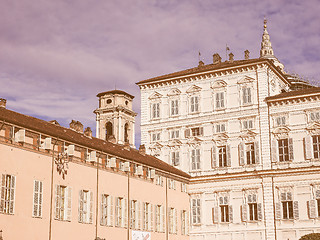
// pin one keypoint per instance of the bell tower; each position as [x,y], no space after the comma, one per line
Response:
[115,118]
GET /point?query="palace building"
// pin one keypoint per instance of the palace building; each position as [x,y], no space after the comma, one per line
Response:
[249,135]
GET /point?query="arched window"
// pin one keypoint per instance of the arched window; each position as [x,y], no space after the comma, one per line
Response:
[126,128]
[109,130]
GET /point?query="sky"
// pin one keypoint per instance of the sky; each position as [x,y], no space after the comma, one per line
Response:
[56,56]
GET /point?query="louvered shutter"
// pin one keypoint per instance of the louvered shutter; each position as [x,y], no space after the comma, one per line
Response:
[291,149]
[125,212]
[69,203]
[216,214]
[163,219]
[187,133]
[312,208]
[228,156]
[57,203]
[35,198]
[308,147]
[80,206]
[278,210]
[140,216]
[295,210]
[12,194]
[259,211]
[230,214]
[177,159]
[201,131]
[103,211]
[257,152]
[111,211]
[214,156]
[274,150]
[3,189]
[175,229]
[244,213]
[241,153]
[40,198]
[151,216]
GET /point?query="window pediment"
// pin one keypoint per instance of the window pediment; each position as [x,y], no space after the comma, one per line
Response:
[174,144]
[281,132]
[174,92]
[155,145]
[245,80]
[314,128]
[194,89]
[218,84]
[221,138]
[194,141]
[155,95]
[248,135]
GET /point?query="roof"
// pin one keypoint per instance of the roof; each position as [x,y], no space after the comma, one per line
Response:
[69,135]
[295,94]
[205,68]
[115,92]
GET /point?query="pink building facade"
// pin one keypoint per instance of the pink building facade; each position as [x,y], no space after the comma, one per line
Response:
[60,183]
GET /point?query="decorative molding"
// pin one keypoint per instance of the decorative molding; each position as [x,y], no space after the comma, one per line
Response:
[281,132]
[248,135]
[174,144]
[194,142]
[155,95]
[193,89]
[313,128]
[218,84]
[174,92]
[245,80]
[220,139]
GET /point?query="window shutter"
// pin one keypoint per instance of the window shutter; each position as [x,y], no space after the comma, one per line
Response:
[295,210]
[3,184]
[201,131]
[290,149]
[140,215]
[163,219]
[175,221]
[216,214]
[312,208]
[177,160]
[151,216]
[274,150]
[244,212]
[187,133]
[40,198]
[228,156]
[241,153]
[111,211]
[308,147]
[259,211]
[278,211]
[257,152]
[230,214]
[69,197]
[12,194]
[103,211]
[80,206]
[57,205]
[214,156]
[35,212]
[125,212]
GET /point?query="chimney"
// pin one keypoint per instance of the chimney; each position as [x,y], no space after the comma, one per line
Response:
[88,132]
[231,57]
[246,54]
[216,58]
[76,126]
[201,64]
[142,149]
[3,103]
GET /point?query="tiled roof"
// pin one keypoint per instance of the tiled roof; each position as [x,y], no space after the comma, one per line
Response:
[115,92]
[69,135]
[293,94]
[205,68]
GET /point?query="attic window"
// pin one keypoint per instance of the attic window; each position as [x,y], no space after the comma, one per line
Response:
[109,101]
[126,102]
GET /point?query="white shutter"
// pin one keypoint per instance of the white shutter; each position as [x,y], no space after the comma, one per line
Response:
[151,217]
[103,210]
[12,194]
[91,207]
[201,131]
[274,150]
[175,229]
[259,211]
[312,208]
[69,203]
[295,210]
[257,152]
[80,206]
[241,153]
[111,212]
[291,149]
[228,156]
[3,185]
[278,210]
[244,215]
[162,220]
[214,156]
[137,215]
[57,203]
[70,150]
[187,132]
[216,214]
[230,214]
[140,216]
[308,147]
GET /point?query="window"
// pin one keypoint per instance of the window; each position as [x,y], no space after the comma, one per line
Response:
[171,184]
[172,220]
[280,121]
[314,116]
[109,130]
[155,137]
[222,156]
[224,209]
[159,180]
[160,224]
[63,203]
[121,212]
[134,215]
[174,134]
[246,95]
[155,113]
[107,210]
[220,100]
[174,107]
[125,134]
[194,132]
[196,211]
[183,187]
[247,124]
[253,207]
[194,104]
[287,205]
[250,153]
[195,159]
[37,199]
[147,217]
[7,194]
[85,206]
[316,146]
[220,127]
[314,205]
[283,150]
[184,222]
[175,158]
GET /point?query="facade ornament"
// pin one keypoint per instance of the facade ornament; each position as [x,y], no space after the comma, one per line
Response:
[248,135]
[194,142]
[281,132]
[174,144]
[314,128]
[220,139]
[62,161]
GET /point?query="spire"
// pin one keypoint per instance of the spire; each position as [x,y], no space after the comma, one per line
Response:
[266,48]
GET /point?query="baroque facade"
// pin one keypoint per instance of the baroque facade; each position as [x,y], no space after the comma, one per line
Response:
[249,135]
